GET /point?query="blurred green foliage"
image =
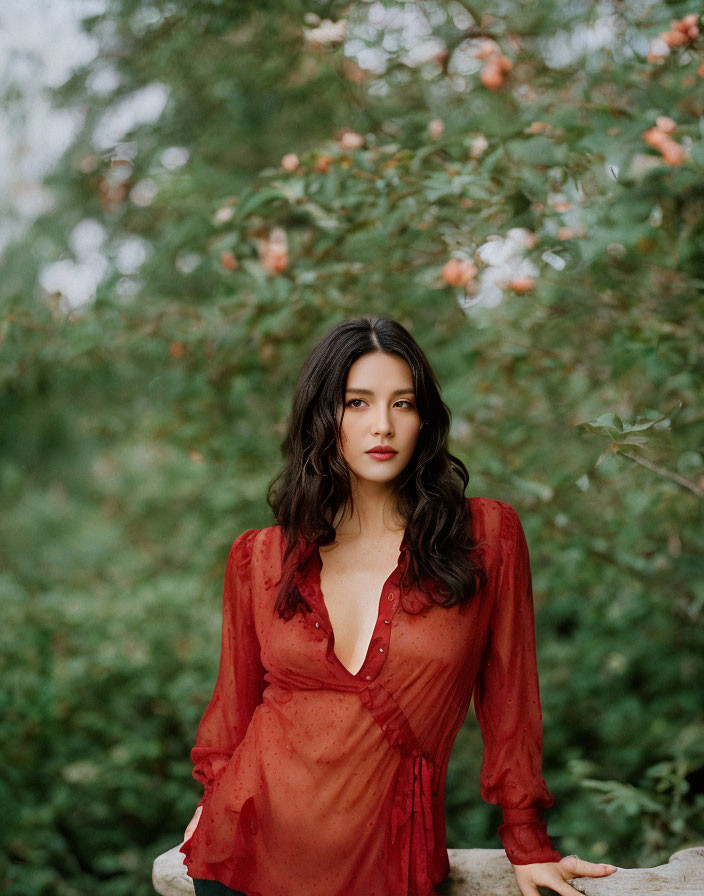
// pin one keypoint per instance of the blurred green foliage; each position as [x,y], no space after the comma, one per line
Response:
[140,430]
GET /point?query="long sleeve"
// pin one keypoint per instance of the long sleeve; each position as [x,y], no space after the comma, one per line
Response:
[507,706]
[239,684]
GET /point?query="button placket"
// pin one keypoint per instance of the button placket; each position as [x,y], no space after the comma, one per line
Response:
[384,632]
[391,596]
[375,658]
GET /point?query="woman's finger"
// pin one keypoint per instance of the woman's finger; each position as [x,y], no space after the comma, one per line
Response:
[572,866]
[563,888]
[192,824]
[528,889]
[530,877]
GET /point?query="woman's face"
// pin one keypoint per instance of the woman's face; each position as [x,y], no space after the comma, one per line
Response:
[379,410]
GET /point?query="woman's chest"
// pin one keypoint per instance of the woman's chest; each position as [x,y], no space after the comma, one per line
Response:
[352,583]
[315,648]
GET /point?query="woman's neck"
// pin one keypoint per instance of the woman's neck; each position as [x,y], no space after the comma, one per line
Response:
[374,514]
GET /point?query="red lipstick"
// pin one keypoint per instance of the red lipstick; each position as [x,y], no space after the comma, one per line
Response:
[382,452]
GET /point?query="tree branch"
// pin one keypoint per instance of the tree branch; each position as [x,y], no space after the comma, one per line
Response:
[661,471]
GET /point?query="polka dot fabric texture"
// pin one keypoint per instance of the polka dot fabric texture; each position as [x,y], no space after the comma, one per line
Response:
[318,782]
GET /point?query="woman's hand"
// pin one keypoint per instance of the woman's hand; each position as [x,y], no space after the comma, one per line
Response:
[555,875]
[192,824]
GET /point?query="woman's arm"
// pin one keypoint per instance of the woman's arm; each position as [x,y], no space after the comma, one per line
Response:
[507,705]
[239,685]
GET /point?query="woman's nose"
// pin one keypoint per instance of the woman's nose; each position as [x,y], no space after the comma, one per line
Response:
[382,423]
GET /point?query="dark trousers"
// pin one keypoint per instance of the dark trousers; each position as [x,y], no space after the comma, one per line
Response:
[213,888]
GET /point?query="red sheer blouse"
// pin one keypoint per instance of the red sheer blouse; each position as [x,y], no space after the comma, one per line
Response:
[318,782]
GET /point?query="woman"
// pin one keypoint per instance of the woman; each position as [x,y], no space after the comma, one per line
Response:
[355,633]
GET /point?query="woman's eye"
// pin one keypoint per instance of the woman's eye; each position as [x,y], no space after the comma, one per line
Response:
[352,403]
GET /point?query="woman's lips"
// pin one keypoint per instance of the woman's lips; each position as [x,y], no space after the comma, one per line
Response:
[382,455]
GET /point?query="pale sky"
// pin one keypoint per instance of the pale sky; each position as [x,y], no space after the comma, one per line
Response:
[40,43]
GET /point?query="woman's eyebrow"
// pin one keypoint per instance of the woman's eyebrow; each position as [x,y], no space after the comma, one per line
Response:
[370,392]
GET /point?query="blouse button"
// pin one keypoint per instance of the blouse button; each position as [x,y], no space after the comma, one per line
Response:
[390,596]
[368,677]
[387,621]
[381,650]
[317,625]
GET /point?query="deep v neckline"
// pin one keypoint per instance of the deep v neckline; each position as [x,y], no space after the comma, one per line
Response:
[388,593]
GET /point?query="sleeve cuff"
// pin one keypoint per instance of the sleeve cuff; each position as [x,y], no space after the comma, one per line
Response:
[207,790]
[209,784]
[525,839]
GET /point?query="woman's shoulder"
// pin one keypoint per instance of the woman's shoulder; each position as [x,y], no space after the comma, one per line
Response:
[489,506]
[241,548]
[259,544]
[493,518]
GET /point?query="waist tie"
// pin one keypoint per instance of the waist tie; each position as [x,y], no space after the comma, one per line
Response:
[411,834]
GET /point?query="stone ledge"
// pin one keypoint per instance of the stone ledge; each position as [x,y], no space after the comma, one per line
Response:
[487,872]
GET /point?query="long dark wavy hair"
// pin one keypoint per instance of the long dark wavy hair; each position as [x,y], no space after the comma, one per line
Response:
[315,481]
